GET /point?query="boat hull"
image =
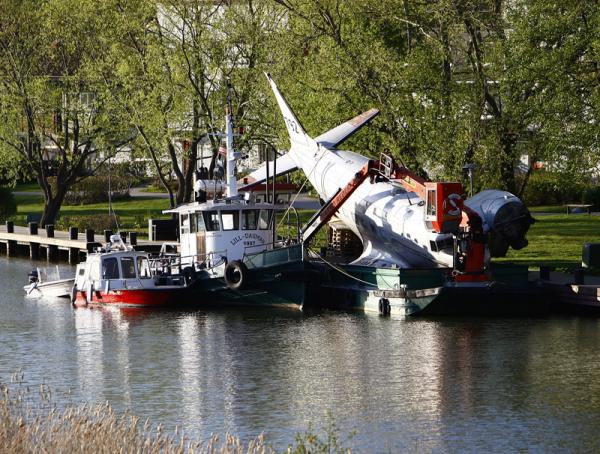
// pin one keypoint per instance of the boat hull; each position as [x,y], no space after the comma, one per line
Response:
[280,285]
[51,289]
[131,298]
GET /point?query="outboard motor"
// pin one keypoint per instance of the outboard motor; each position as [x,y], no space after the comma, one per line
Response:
[33,276]
[505,218]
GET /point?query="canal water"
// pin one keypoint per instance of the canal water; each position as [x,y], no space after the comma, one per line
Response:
[442,385]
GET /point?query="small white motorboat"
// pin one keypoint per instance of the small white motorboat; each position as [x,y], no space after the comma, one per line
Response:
[39,288]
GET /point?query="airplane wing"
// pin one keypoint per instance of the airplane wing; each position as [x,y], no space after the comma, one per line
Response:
[285,164]
[337,135]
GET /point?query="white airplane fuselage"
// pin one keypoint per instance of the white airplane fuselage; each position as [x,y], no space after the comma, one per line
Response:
[389,220]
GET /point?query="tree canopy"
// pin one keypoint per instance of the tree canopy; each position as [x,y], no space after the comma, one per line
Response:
[456,81]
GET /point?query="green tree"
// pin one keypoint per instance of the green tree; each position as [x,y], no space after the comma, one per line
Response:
[50,120]
[456,81]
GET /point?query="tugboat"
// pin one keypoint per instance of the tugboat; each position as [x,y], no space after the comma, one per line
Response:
[241,234]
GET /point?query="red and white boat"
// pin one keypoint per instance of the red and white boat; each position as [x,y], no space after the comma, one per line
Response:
[122,276]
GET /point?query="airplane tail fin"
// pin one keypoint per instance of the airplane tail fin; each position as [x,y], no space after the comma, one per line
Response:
[297,134]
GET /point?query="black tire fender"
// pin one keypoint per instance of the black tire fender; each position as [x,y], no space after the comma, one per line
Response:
[188,274]
[236,275]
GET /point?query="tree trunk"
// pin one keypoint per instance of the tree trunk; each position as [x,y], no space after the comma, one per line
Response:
[192,154]
[52,206]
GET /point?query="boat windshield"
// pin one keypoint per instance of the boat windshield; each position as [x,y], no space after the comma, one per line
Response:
[200,227]
[128,267]
[249,219]
[143,268]
[110,268]
[211,221]
[230,219]
[264,220]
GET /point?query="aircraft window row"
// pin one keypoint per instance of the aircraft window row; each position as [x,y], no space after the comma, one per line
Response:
[214,221]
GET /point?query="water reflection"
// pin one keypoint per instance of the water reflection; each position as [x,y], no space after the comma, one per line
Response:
[90,352]
[419,385]
[190,367]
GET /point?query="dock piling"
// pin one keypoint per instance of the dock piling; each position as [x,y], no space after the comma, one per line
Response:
[133,238]
[73,233]
[50,231]
[52,253]
[89,235]
[34,250]
[73,255]
[107,235]
[10,227]
[33,228]
[11,248]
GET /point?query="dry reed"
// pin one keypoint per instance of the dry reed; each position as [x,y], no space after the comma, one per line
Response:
[32,423]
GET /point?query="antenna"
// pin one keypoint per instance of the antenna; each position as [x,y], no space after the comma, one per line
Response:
[110,207]
[231,155]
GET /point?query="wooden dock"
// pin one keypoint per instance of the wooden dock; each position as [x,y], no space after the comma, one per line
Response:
[71,246]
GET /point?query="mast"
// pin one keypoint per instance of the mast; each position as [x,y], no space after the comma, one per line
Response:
[231,155]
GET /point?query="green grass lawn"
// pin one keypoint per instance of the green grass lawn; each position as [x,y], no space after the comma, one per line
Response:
[558,209]
[28,187]
[133,213]
[557,240]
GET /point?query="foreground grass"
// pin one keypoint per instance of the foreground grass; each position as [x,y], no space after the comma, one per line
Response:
[557,241]
[31,422]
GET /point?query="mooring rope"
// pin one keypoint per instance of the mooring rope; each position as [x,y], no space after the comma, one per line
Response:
[339,270]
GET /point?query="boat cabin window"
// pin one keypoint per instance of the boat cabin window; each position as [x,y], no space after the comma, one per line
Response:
[200,227]
[128,267]
[143,268]
[211,221]
[110,268]
[230,219]
[185,223]
[264,220]
[250,219]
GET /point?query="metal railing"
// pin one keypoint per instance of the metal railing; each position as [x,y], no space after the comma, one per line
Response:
[168,263]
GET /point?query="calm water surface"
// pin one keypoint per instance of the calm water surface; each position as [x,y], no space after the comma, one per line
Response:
[447,384]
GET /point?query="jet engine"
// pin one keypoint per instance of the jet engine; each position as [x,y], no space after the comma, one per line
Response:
[505,218]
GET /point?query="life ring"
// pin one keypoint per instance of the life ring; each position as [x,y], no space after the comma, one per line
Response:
[236,275]
[188,274]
